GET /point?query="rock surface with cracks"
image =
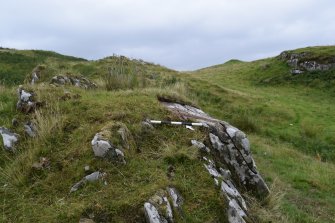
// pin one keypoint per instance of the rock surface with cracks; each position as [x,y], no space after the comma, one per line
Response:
[158,208]
[77,81]
[231,150]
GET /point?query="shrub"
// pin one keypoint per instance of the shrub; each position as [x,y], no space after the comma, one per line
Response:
[124,75]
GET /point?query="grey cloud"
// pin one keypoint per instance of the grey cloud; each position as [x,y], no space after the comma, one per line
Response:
[179,34]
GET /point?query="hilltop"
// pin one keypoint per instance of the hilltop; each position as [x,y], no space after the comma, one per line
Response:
[284,105]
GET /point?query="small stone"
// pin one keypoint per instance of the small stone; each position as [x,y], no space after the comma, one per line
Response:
[30,129]
[87,168]
[105,149]
[9,139]
[89,178]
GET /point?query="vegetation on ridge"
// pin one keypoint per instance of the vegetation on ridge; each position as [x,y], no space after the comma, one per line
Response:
[289,123]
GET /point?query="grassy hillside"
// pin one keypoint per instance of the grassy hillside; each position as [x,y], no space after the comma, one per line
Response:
[15,65]
[288,119]
[290,123]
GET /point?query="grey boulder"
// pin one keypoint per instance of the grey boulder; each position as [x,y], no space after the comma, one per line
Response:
[104,149]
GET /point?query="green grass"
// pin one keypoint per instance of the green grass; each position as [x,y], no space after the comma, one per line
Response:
[290,125]
[289,121]
[65,140]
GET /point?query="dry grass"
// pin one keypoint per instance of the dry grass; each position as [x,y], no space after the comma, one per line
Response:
[268,210]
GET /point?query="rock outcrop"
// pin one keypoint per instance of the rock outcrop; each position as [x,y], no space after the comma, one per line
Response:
[77,81]
[9,139]
[202,147]
[302,62]
[158,208]
[232,166]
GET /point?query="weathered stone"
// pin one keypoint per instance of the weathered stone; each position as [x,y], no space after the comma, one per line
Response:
[152,215]
[30,129]
[158,208]
[231,149]
[240,161]
[9,139]
[26,102]
[235,213]
[77,81]
[200,146]
[104,149]
[36,74]
[160,201]
[177,199]
[296,71]
[89,178]
[304,61]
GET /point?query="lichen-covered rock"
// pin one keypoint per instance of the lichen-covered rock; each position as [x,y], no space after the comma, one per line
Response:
[77,81]
[231,151]
[158,208]
[200,146]
[304,61]
[9,139]
[104,149]
[89,178]
[177,199]
[152,215]
[237,208]
[26,102]
[231,147]
[235,213]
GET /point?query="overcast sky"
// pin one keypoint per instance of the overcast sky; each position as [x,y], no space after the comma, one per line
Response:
[180,34]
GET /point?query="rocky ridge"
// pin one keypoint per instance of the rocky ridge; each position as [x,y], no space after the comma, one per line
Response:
[305,62]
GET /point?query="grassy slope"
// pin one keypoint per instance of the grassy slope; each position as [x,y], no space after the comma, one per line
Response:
[31,196]
[235,92]
[285,121]
[15,65]
[66,129]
